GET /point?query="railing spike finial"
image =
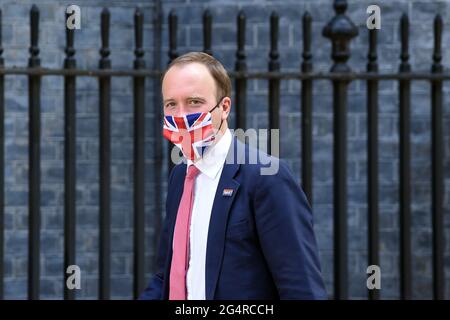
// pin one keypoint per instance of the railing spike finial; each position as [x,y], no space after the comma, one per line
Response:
[274,64]
[207,31]
[1,47]
[34,60]
[437,53]
[340,30]
[173,26]
[240,53]
[69,61]
[372,56]
[139,35]
[307,55]
[105,62]
[404,36]
[340,6]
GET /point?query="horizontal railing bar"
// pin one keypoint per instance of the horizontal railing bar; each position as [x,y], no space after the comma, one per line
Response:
[234,74]
[80,72]
[342,76]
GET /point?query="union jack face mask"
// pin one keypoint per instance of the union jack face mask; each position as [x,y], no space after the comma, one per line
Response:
[193,133]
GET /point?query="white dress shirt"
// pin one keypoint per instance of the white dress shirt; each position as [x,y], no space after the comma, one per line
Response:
[210,167]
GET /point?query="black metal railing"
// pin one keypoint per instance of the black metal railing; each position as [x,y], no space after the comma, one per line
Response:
[69,159]
[340,31]
[34,163]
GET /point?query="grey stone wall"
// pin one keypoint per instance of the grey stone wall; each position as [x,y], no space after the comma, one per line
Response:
[87,43]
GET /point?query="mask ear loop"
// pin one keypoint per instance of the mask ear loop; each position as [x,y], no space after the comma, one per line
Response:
[217,105]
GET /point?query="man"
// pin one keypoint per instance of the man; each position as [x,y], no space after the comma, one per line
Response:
[230,232]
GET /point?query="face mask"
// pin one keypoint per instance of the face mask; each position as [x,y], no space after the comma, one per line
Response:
[193,133]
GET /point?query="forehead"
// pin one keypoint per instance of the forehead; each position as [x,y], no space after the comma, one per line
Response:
[188,78]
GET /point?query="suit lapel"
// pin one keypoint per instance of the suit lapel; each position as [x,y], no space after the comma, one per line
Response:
[218,224]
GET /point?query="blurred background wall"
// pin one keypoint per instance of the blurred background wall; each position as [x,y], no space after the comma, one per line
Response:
[16,37]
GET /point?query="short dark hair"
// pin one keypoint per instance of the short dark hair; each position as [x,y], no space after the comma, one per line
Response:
[216,69]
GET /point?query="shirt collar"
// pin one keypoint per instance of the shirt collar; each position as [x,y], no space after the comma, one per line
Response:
[214,158]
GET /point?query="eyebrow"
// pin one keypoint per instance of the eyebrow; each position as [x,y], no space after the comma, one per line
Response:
[167,100]
[196,98]
[188,98]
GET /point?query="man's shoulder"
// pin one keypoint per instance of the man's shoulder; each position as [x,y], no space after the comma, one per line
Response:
[257,164]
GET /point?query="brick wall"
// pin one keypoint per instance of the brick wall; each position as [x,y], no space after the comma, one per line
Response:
[87,43]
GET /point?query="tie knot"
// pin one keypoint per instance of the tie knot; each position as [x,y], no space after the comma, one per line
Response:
[192,173]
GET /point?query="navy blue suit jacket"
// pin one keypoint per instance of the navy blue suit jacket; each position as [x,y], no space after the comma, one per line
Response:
[261,243]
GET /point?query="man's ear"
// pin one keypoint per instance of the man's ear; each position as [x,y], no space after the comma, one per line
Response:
[226,107]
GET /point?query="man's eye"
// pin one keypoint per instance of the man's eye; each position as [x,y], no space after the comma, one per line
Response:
[170,105]
[195,102]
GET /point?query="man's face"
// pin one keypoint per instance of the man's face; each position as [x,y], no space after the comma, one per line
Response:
[190,88]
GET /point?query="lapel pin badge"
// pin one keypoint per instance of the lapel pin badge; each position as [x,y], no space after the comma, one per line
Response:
[227,192]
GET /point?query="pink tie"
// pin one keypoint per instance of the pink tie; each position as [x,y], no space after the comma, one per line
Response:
[180,256]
